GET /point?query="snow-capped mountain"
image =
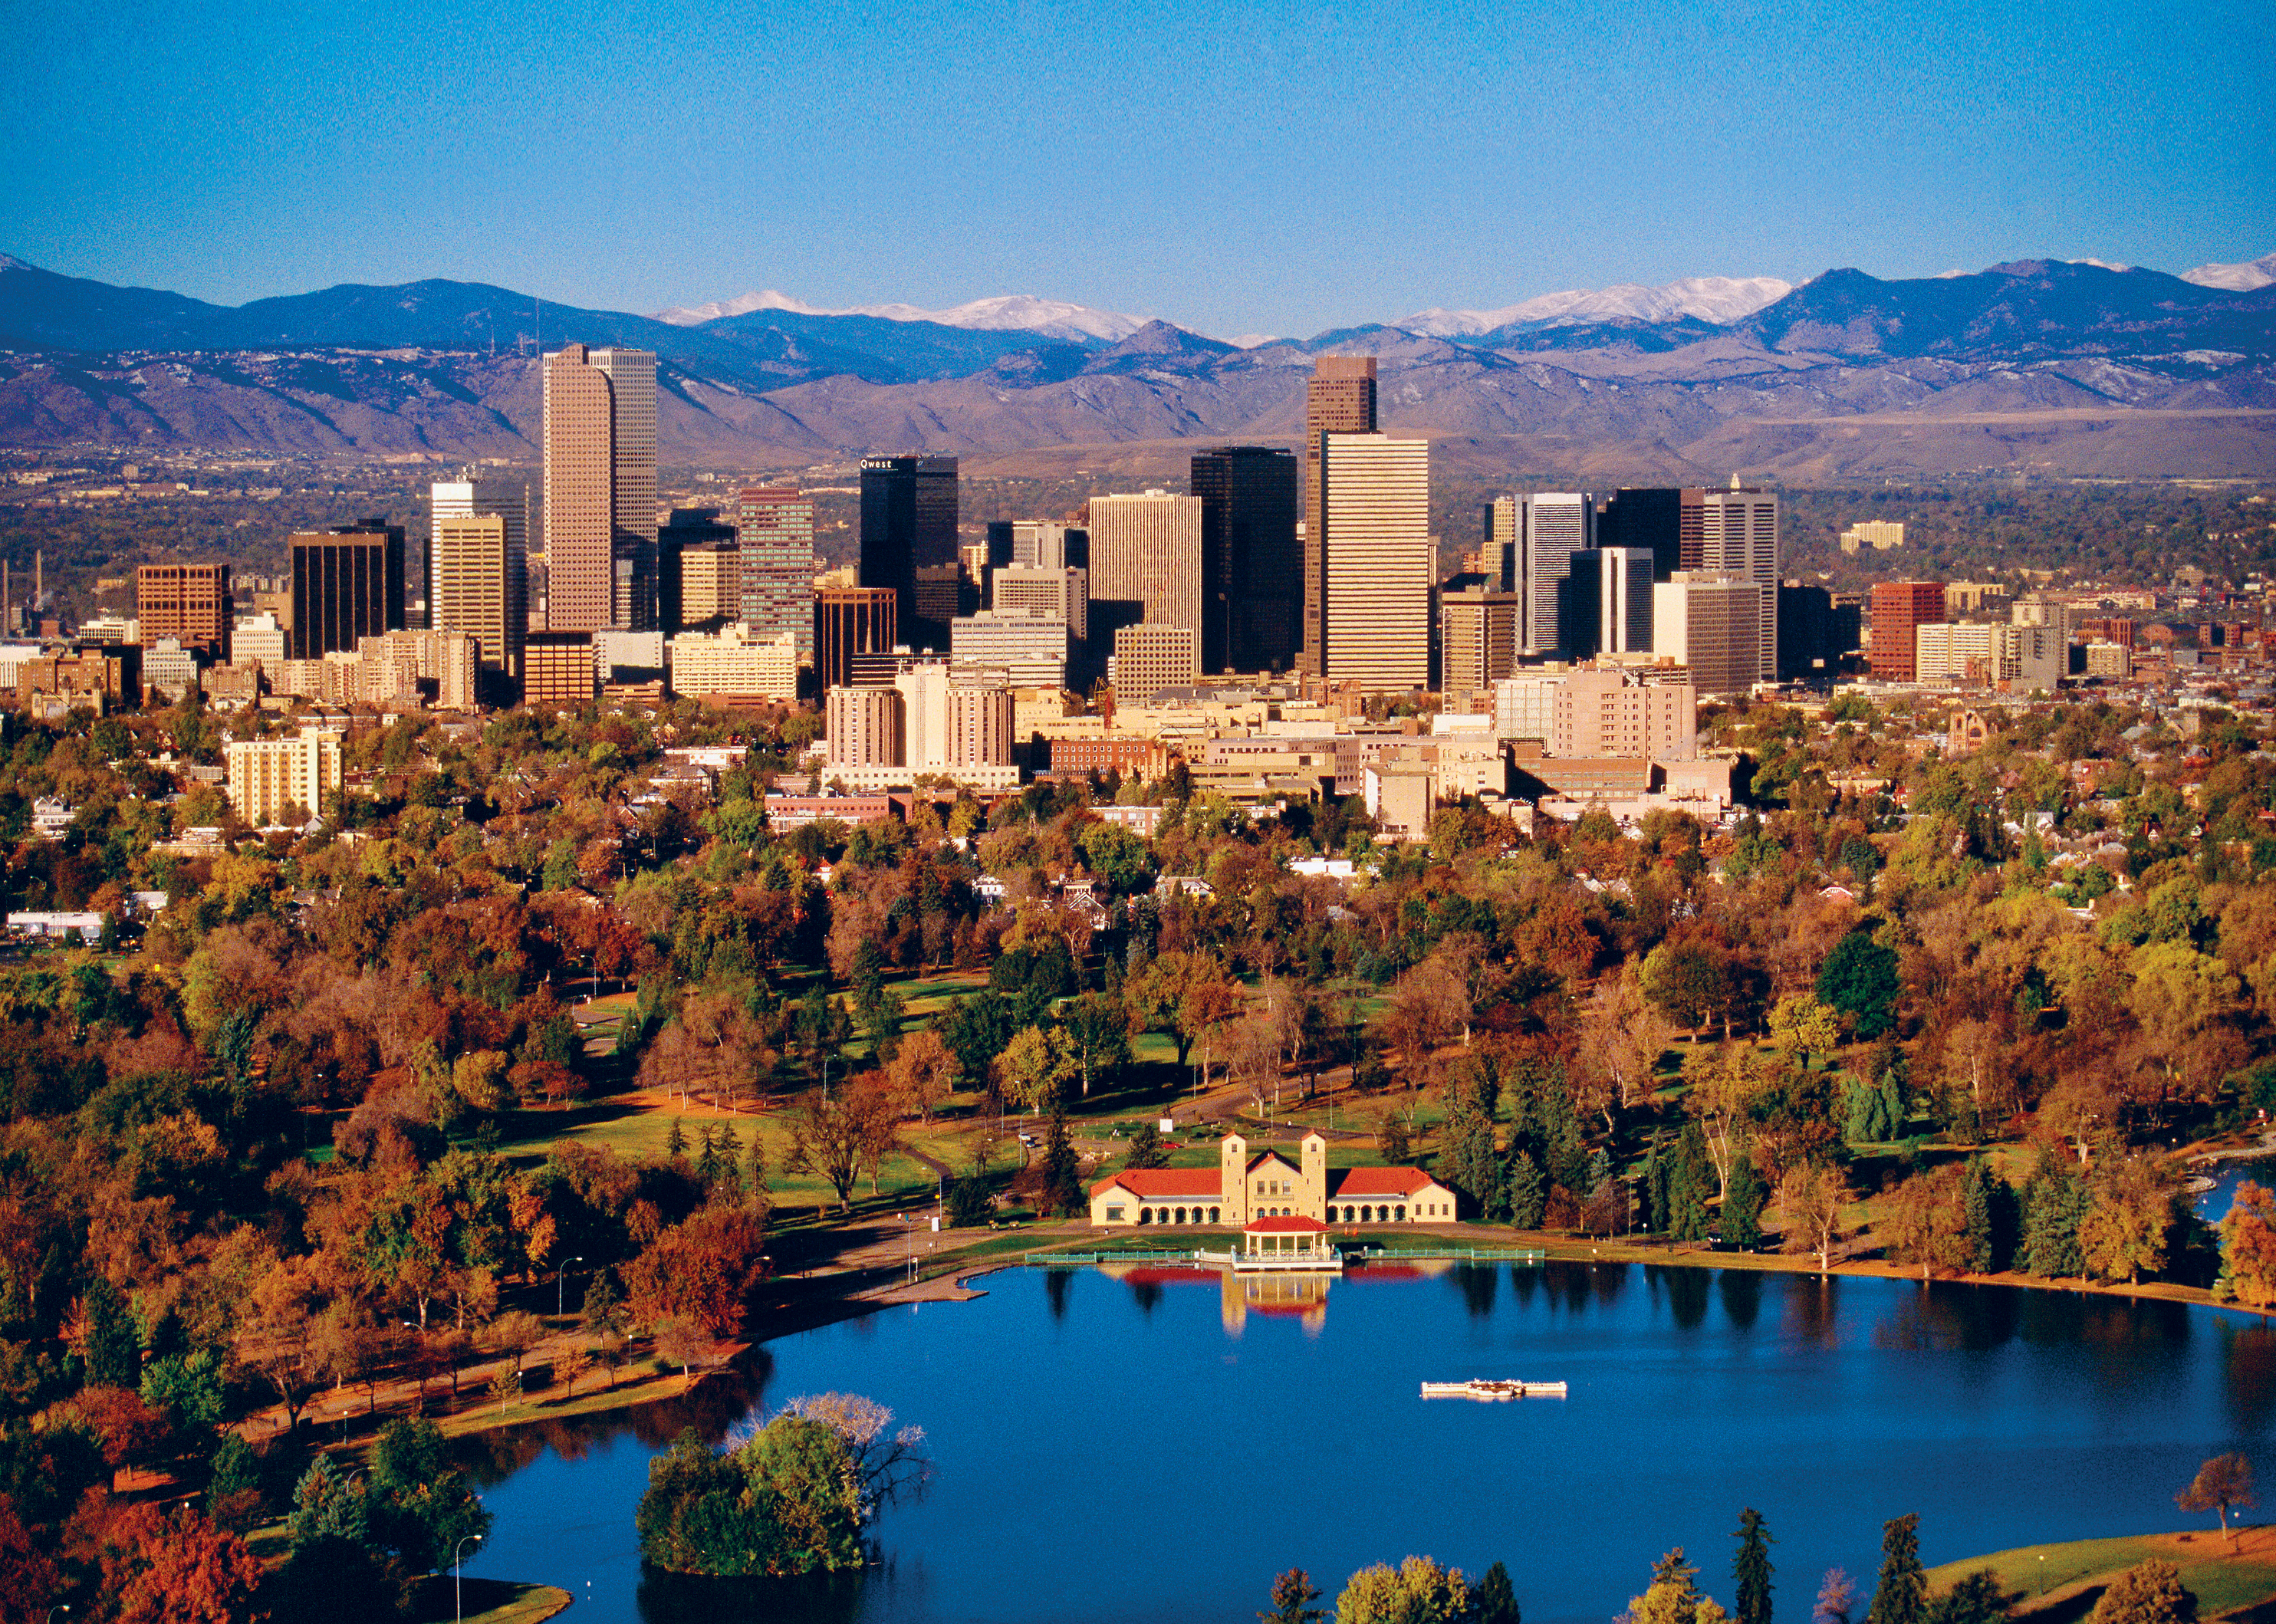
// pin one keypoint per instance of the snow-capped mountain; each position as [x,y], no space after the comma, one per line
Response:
[2236,278]
[1007,313]
[1721,300]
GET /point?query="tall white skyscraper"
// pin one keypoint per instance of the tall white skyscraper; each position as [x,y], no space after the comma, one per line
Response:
[1740,537]
[1624,608]
[1376,561]
[477,575]
[1147,550]
[1551,527]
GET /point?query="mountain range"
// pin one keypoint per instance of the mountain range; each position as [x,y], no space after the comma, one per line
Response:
[2062,367]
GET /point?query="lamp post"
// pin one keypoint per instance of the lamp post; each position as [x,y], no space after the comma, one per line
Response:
[59,1607]
[458,1585]
[556,1283]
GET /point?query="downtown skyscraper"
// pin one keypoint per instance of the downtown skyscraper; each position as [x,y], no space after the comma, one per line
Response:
[477,571]
[1377,561]
[1340,400]
[908,523]
[773,535]
[1252,566]
[600,488]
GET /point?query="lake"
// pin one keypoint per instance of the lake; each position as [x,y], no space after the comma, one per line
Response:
[1156,1445]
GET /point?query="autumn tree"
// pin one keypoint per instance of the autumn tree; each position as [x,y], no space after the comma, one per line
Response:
[1417,1591]
[1672,1597]
[1293,1596]
[701,1271]
[1811,1200]
[1924,1222]
[921,1074]
[2223,1481]
[2247,1248]
[833,1138]
[2149,1592]
[162,1568]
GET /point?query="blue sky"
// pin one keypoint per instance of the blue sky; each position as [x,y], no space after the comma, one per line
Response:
[1264,167]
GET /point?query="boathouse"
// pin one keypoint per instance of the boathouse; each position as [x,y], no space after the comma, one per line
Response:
[1244,1186]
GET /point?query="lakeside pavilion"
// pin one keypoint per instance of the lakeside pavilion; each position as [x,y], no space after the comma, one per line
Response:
[1244,1186]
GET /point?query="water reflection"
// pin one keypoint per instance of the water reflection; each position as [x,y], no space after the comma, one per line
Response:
[1477,1286]
[2248,1369]
[890,1588]
[1813,1311]
[1742,1291]
[1057,1284]
[1686,1292]
[715,1404]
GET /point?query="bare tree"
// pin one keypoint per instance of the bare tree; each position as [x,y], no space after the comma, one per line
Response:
[1811,1199]
[887,1465]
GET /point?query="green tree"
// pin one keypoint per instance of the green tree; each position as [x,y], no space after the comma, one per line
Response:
[422,1504]
[1145,1149]
[1493,1600]
[1528,1192]
[1859,978]
[1975,1599]
[2149,1592]
[1743,1228]
[114,1348]
[1062,1194]
[1751,1566]
[233,1498]
[2054,1203]
[1901,1595]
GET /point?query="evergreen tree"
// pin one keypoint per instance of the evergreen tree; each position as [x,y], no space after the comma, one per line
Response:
[1901,1596]
[1062,1194]
[1527,1193]
[114,1348]
[707,1160]
[675,1144]
[1469,1163]
[1687,1185]
[1145,1146]
[1657,1214]
[1494,1601]
[2053,1203]
[762,1191]
[1751,1567]
[1977,1598]
[1976,1196]
[1743,1211]
[727,1150]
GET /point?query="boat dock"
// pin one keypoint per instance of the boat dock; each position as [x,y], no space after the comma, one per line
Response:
[1492,1391]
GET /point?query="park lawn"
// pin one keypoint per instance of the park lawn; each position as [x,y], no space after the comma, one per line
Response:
[2222,1581]
[500,1601]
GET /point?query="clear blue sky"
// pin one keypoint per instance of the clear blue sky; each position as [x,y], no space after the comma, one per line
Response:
[1233,168]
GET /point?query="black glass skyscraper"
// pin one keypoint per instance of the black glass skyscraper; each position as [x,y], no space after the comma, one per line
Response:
[1252,564]
[1666,523]
[908,523]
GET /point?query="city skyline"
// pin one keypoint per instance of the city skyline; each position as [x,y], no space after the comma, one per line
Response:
[1757,143]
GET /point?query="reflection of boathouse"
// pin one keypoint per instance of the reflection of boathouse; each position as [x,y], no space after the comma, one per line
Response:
[1295,1294]
[1242,1188]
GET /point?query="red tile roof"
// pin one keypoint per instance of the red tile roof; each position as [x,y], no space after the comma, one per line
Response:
[1168,1183]
[1290,1225]
[1360,1183]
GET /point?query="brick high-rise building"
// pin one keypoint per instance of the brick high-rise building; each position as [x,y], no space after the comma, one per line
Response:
[774,529]
[558,669]
[1900,608]
[908,523]
[1252,565]
[347,584]
[1478,635]
[1340,400]
[850,621]
[1711,623]
[1376,561]
[600,488]
[189,603]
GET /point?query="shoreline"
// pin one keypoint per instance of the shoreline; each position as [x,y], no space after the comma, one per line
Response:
[827,1296]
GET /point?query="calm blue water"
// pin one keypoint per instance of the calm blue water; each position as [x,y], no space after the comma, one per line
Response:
[1139,1450]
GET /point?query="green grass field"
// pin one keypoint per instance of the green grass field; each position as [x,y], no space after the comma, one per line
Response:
[2222,1581]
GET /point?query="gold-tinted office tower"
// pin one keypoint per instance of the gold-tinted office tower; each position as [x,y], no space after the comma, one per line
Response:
[1340,400]
[1376,561]
[599,487]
